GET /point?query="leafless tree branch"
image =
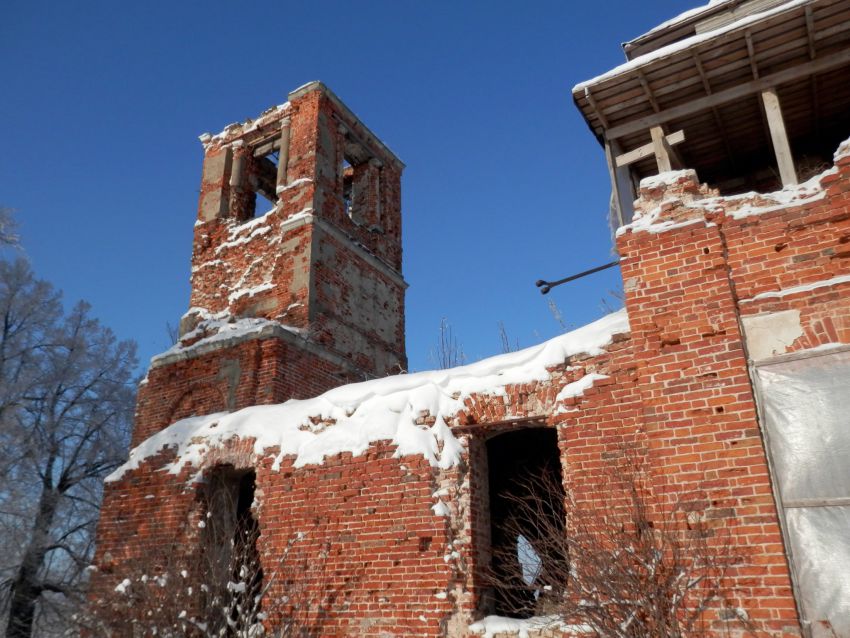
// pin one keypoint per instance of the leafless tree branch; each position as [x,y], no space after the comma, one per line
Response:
[620,563]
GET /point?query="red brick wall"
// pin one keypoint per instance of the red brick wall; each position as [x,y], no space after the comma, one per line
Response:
[677,393]
[386,545]
[307,263]
[257,371]
[697,402]
[689,291]
[794,246]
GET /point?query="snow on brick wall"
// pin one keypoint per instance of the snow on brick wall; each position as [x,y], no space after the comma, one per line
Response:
[351,417]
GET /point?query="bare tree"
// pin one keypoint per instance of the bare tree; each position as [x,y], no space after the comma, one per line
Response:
[8,237]
[557,314]
[66,400]
[614,300]
[173,333]
[505,340]
[619,564]
[449,352]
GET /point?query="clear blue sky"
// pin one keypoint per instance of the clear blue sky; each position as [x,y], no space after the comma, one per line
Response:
[102,103]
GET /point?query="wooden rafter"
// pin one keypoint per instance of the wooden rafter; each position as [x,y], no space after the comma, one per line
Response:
[779,137]
[661,149]
[590,100]
[751,57]
[819,65]
[715,112]
[810,32]
[646,150]
[616,195]
[648,92]
[751,54]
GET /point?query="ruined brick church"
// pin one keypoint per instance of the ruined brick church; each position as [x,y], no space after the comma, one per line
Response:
[727,374]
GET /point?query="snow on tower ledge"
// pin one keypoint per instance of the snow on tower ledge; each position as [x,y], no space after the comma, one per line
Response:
[351,417]
[669,200]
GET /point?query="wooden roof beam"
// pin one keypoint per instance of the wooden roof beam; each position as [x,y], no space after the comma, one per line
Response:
[810,32]
[819,65]
[779,137]
[648,91]
[590,100]
[661,149]
[751,58]
[701,70]
[751,54]
[718,121]
[665,154]
[637,154]
[622,195]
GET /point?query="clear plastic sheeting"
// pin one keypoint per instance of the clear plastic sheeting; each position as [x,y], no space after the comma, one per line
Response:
[820,537]
[806,406]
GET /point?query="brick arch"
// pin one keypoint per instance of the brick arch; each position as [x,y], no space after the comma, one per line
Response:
[236,454]
[199,398]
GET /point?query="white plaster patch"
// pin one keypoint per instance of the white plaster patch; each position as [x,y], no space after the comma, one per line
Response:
[771,334]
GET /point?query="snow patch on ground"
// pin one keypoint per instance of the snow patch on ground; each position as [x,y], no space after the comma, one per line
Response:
[523,627]
[352,417]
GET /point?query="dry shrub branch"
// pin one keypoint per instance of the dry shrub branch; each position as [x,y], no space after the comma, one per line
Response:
[223,581]
[620,564]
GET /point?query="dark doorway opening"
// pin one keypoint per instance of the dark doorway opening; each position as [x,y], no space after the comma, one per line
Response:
[230,545]
[524,466]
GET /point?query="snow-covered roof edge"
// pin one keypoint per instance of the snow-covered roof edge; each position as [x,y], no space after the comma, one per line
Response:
[687,43]
[686,16]
[352,417]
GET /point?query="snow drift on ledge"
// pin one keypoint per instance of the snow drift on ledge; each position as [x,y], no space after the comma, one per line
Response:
[792,195]
[687,43]
[378,410]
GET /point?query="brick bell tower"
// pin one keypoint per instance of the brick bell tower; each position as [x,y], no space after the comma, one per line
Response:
[296,266]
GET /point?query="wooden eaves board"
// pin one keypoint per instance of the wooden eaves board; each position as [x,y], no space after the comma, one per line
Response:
[777,43]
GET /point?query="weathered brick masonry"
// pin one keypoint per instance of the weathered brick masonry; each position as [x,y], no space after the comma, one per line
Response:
[310,296]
